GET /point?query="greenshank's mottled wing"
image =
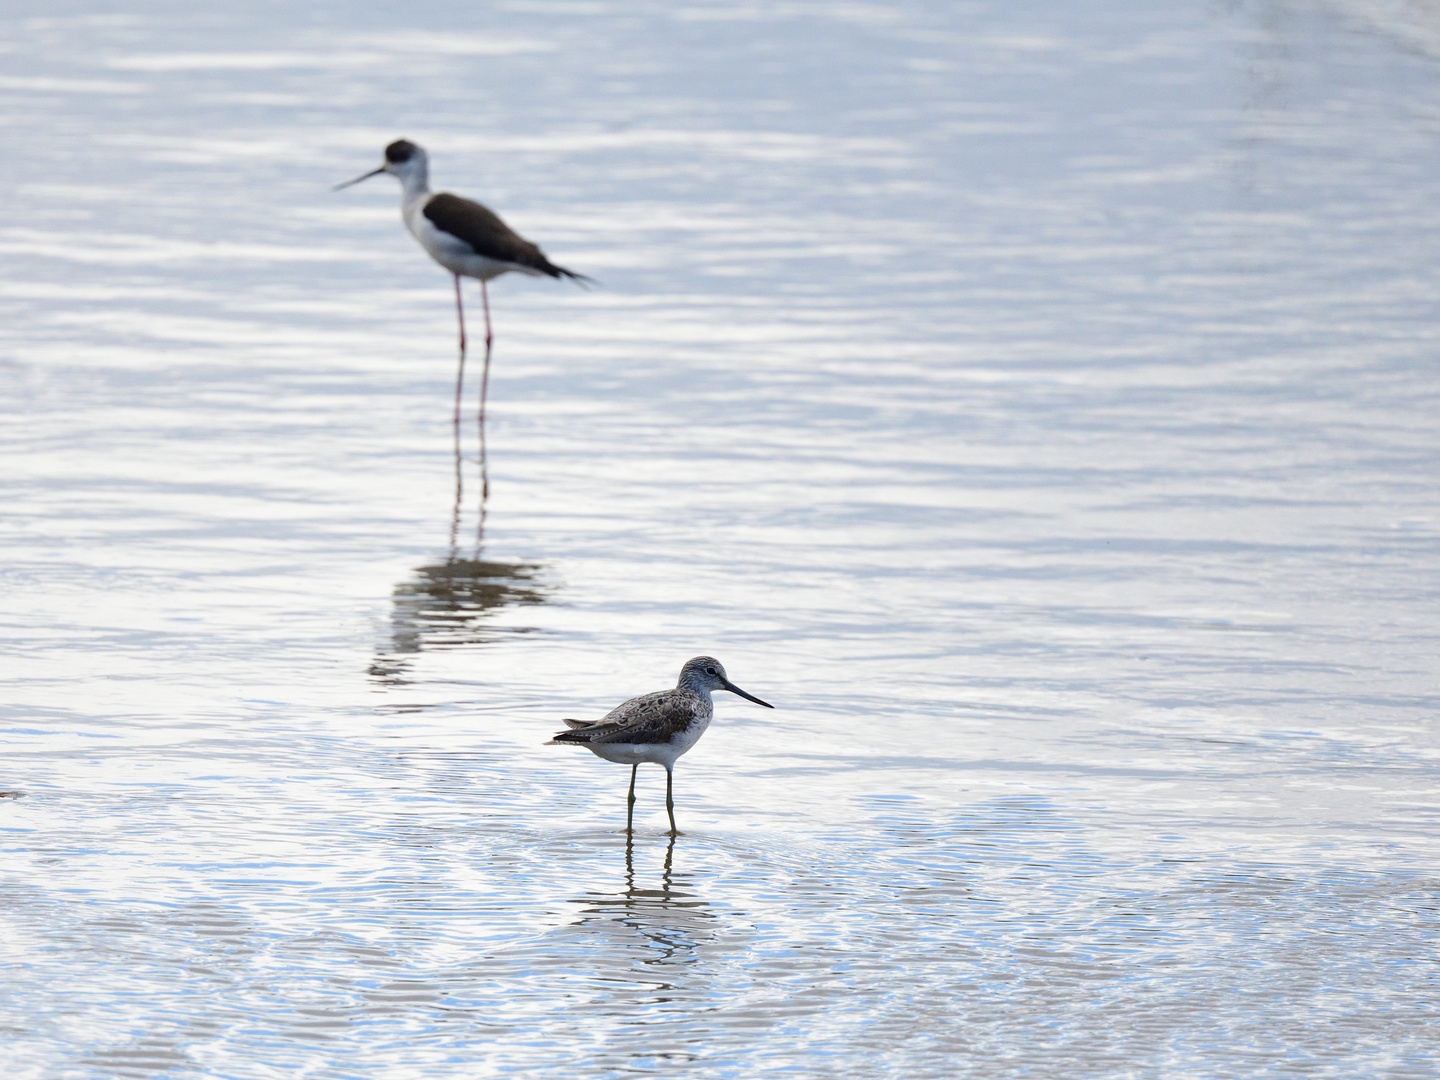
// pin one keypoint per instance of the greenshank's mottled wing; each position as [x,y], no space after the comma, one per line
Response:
[645,719]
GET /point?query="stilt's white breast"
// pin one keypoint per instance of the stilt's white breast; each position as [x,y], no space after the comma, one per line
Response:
[450,251]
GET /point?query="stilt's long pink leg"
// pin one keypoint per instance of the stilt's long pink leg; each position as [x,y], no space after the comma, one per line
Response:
[489,339]
[460,375]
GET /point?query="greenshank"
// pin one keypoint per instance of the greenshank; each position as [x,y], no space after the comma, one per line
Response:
[656,727]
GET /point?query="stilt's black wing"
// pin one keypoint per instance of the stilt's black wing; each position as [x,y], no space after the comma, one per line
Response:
[481,228]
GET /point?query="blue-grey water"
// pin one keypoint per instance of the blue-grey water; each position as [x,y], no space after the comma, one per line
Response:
[1037,403]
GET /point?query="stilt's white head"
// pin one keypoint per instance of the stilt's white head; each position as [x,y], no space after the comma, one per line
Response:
[403,159]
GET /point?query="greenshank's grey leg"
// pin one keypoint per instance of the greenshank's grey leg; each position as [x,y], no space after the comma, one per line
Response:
[670,798]
[630,803]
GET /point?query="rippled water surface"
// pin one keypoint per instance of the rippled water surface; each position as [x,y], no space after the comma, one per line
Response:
[1036,403]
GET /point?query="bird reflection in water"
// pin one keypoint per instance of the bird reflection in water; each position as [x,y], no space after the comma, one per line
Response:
[673,920]
[453,603]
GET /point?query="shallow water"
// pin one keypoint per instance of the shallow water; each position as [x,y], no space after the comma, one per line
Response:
[1036,406]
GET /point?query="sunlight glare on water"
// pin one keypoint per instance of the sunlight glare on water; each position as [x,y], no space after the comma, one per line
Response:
[1036,405]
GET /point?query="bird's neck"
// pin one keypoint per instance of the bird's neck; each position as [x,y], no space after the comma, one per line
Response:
[416,183]
[696,688]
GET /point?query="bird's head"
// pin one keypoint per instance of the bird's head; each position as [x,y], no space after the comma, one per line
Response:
[705,674]
[403,159]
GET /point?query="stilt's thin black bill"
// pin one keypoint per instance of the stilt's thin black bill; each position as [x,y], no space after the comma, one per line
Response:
[349,183]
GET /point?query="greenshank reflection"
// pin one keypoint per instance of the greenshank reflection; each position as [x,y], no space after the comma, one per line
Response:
[671,922]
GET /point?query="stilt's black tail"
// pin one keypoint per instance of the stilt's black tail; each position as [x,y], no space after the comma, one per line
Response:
[583,280]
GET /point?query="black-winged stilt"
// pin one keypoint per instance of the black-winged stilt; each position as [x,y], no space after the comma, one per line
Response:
[465,238]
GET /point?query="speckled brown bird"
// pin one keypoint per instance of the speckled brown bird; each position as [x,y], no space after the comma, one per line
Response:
[656,727]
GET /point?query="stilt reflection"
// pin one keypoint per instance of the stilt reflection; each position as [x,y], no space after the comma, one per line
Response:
[453,603]
[445,605]
[459,456]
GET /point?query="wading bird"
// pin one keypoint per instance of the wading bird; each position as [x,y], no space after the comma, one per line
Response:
[656,727]
[464,237]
